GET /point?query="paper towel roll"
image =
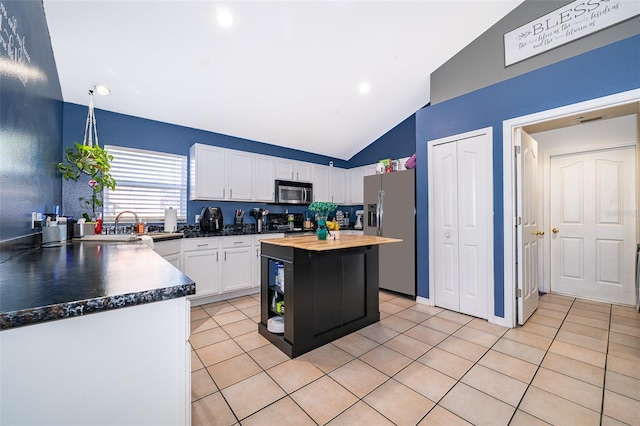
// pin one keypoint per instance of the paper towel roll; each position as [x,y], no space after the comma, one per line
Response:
[170,220]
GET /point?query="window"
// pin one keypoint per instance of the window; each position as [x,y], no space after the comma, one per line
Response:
[147,182]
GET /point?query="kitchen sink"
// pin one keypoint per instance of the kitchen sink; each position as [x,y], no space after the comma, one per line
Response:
[129,237]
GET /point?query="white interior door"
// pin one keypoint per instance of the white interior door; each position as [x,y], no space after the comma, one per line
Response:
[474,177]
[445,222]
[461,185]
[528,230]
[593,197]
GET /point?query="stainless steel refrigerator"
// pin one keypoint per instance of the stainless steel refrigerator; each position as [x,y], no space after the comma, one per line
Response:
[390,211]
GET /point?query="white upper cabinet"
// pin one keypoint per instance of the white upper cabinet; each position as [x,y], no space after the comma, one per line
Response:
[356,182]
[338,188]
[293,170]
[220,174]
[284,169]
[230,175]
[239,176]
[263,178]
[320,175]
[207,174]
[302,171]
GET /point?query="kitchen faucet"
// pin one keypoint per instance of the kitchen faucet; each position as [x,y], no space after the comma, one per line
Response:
[115,227]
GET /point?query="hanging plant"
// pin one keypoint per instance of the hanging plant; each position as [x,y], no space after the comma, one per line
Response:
[95,162]
[89,159]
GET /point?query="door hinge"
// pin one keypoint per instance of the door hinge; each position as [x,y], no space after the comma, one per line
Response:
[517,220]
[516,150]
[518,292]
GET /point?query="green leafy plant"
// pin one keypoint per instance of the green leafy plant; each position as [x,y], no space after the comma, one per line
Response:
[93,161]
[324,207]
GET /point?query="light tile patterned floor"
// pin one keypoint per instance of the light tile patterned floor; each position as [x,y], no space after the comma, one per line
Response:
[575,362]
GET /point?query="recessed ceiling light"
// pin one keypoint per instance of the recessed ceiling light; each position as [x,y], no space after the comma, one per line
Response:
[364,87]
[101,89]
[224,17]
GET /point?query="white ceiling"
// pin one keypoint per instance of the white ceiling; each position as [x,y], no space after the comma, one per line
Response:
[286,73]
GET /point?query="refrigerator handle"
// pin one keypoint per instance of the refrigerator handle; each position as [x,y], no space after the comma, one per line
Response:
[380,211]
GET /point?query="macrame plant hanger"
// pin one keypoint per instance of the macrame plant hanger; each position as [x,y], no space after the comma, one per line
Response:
[90,129]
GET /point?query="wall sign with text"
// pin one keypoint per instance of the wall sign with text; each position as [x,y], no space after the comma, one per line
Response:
[573,21]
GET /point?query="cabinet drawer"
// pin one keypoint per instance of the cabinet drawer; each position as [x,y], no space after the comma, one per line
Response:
[239,241]
[193,244]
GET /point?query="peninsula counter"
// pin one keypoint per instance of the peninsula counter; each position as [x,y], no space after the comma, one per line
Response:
[330,289]
[94,333]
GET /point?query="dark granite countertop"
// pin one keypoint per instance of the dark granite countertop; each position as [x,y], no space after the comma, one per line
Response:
[80,278]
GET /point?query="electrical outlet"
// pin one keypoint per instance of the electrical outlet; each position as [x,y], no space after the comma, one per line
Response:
[197,218]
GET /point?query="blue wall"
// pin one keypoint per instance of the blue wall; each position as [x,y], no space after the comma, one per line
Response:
[398,142]
[134,132]
[608,70]
[30,122]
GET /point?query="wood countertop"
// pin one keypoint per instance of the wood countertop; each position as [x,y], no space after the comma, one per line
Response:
[312,243]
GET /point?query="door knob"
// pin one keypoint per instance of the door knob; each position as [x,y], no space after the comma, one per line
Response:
[555,230]
[540,233]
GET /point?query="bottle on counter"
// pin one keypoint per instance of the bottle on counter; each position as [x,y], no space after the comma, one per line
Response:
[98,227]
[140,227]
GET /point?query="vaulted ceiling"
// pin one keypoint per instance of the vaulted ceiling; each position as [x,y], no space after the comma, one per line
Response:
[289,73]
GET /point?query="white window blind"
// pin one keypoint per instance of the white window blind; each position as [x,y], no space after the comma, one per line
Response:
[147,183]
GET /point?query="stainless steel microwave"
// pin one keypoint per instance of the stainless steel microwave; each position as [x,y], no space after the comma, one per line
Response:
[292,192]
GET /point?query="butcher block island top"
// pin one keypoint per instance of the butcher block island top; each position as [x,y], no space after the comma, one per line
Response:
[312,243]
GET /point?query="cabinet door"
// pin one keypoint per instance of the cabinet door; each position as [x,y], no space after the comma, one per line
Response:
[302,171]
[175,260]
[239,176]
[207,164]
[356,182]
[203,267]
[263,185]
[284,169]
[338,185]
[356,185]
[237,273]
[321,183]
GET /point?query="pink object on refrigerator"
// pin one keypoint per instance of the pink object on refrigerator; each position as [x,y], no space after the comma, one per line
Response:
[411,162]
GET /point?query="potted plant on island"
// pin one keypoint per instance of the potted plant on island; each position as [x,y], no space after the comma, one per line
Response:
[322,210]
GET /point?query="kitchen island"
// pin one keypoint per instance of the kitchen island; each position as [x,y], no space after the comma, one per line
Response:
[94,333]
[330,289]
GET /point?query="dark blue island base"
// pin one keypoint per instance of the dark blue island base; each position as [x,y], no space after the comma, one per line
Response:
[327,293]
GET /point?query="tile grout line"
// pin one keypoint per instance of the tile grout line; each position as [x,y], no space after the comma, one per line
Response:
[414,324]
[606,360]
[541,361]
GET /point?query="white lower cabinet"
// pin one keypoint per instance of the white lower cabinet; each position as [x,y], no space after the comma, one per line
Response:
[257,250]
[223,267]
[129,366]
[171,251]
[236,260]
[202,264]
